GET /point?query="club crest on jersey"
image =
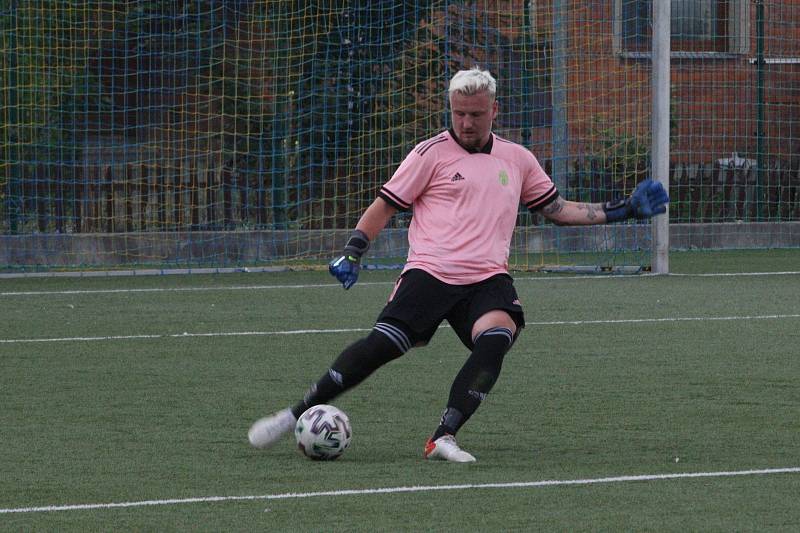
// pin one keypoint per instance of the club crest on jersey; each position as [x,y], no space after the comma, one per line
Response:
[457,177]
[503,178]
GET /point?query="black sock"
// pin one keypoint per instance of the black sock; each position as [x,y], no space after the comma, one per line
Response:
[384,343]
[475,379]
[327,388]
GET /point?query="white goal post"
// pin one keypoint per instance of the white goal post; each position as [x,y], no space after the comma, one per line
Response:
[660,125]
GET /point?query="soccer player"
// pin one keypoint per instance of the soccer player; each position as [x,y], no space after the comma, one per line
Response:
[464,186]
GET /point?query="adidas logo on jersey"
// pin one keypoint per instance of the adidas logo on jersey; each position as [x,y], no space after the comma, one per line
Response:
[457,177]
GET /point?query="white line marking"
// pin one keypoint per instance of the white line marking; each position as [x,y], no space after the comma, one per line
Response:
[185,335]
[396,490]
[357,330]
[181,289]
[372,283]
[668,319]
[730,274]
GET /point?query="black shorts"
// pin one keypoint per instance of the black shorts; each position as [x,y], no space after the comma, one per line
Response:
[421,302]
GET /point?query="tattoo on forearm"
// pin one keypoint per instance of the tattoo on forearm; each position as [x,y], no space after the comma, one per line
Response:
[553,208]
[591,210]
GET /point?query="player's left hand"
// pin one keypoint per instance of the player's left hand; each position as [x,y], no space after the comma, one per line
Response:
[648,199]
[345,269]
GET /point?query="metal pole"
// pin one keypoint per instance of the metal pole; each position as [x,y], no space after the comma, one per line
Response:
[280,122]
[760,133]
[527,72]
[660,126]
[559,95]
[13,193]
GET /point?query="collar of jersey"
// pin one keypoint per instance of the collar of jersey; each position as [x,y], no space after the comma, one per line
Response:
[486,149]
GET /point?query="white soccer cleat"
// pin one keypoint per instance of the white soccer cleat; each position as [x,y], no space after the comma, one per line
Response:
[268,430]
[445,449]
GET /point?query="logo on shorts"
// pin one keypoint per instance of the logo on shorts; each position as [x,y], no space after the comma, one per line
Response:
[517,302]
[457,177]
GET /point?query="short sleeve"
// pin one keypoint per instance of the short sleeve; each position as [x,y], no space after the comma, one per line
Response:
[409,180]
[538,190]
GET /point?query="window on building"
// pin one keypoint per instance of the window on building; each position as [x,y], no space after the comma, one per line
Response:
[696,26]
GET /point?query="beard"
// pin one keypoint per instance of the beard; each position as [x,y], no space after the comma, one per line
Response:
[470,140]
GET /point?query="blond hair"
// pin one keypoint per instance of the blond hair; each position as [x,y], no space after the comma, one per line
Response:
[473,81]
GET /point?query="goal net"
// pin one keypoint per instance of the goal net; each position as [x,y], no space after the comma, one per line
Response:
[242,133]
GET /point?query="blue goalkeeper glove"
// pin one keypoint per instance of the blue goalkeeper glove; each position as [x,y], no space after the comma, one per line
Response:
[346,268]
[648,200]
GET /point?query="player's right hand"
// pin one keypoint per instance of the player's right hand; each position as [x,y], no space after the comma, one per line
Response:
[345,269]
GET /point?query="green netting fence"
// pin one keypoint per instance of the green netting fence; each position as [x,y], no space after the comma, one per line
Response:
[240,133]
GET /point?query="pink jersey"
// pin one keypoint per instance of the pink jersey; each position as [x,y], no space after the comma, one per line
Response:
[465,204]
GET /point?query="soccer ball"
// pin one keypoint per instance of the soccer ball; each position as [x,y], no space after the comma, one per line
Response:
[323,432]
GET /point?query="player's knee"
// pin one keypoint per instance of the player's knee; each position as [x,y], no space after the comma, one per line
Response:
[496,318]
[486,361]
[495,340]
